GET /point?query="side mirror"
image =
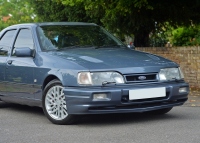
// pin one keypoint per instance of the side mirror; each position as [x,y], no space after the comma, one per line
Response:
[24,52]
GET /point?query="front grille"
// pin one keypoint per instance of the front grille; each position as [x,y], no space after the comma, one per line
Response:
[141,77]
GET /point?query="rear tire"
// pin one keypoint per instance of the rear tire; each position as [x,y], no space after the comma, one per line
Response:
[54,104]
[4,104]
[160,111]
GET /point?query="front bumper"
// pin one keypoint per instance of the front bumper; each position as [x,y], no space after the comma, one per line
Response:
[79,100]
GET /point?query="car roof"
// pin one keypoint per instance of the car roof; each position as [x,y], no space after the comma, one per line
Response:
[54,23]
[64,23]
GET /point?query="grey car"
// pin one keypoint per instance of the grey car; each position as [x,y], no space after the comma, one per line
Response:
[74,68]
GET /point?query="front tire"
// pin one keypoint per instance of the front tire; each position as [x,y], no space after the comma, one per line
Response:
[2,104]
[54,104]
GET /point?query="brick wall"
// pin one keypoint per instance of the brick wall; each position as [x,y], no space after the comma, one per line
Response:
[187,57]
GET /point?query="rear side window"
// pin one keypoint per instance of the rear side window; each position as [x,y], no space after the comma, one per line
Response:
[5,42]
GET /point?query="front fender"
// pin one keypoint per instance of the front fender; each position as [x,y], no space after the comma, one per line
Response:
[67,77]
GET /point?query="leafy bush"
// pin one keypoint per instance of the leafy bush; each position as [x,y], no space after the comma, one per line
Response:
[186,36]
[158,39]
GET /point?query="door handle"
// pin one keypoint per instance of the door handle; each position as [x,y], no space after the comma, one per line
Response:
[9,62]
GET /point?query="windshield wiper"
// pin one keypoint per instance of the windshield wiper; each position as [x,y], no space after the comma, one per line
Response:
[77,46]
[107,46]
[69,47]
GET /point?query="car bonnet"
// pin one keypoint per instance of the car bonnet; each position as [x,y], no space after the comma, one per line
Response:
[113,58]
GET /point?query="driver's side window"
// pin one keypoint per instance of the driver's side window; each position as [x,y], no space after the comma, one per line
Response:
[24,39]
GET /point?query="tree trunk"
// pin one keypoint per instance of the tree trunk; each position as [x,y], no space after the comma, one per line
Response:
[141,38]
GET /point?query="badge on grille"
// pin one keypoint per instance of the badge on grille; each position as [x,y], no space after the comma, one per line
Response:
[142,77]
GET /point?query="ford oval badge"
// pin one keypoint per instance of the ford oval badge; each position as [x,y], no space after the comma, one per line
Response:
[142,77]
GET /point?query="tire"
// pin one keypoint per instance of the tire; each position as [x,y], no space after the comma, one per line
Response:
[4,104]
[160,111]
[1,103]
[54,104]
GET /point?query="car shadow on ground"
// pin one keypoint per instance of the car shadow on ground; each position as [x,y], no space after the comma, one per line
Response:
[125,118]
[22,108]
[100,119]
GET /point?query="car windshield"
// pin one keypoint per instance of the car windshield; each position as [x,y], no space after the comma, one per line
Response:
[58,37]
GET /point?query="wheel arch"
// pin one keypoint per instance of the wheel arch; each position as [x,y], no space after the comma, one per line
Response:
[48,79]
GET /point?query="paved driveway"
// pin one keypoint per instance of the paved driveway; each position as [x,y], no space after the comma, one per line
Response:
[194,99]
[23,124]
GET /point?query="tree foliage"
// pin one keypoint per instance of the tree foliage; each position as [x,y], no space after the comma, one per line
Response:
[53,10]
[123,17]
[186,36]
[18,11]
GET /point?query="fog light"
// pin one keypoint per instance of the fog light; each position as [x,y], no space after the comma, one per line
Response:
[182,89]
[100,96]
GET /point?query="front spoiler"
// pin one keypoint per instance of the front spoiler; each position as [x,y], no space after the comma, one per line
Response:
[80,100]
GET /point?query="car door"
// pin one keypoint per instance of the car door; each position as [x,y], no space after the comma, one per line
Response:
[19,70]
[5,42]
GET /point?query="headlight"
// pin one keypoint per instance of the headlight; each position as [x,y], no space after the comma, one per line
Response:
[170,74]
[181,73]
[99,78]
